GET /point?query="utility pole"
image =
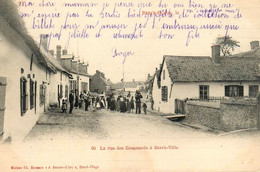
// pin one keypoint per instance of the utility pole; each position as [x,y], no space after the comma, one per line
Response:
[123,82]
[77,93]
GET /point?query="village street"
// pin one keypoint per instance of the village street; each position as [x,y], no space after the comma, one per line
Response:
[104,124]
[105,140]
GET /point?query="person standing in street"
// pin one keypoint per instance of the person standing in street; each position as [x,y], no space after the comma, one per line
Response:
[71,100]
[132,105]
[144,107]
[152,103]
[138,97]
[81,99]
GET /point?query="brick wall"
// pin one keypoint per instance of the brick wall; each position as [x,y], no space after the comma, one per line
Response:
[227,115]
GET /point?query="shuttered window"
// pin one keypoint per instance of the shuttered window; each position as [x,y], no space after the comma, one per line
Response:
[23,96]
[164,93]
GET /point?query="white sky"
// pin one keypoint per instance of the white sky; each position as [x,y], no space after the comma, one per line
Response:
[148,51]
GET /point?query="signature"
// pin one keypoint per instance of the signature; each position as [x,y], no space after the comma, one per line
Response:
[125,54]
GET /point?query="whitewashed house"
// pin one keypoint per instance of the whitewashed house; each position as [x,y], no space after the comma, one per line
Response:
[59,79]
[24,76]
[205,78]
[78,70]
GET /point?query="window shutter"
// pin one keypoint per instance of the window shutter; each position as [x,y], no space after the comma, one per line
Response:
[61,91]
[21,96]
[35,95]
[166,93]
[241,91]
[227,91]
[26,96]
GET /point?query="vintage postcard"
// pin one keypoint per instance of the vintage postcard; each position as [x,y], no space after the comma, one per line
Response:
[159,85]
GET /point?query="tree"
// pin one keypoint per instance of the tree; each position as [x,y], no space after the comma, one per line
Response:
[226,44]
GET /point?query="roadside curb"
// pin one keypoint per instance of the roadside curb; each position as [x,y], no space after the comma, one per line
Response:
[237,131]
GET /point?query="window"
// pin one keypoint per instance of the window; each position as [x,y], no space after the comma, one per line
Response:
[234,91]
[24,95]
[32,94]
[163,74]
[204,92]
[253,90]
[42,94]
[164,93]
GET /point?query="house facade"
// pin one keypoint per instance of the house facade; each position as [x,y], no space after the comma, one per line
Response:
[99,83]
[205,78]
[24,77]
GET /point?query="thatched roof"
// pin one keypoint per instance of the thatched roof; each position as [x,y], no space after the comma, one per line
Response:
[198,69]
[8,10]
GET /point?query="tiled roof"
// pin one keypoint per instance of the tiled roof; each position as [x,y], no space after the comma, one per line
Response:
[197,69]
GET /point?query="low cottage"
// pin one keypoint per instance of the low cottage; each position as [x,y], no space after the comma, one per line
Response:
[205,78]
[24,76]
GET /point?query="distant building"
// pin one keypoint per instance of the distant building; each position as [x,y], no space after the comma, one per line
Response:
[182,77]
[129,86]
[59,81]
[99,83]
[76,68]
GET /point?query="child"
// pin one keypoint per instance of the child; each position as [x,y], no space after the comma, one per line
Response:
[145,107]
[64,106]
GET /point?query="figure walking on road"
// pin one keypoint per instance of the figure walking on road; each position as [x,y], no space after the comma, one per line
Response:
[132,105]
[71,100]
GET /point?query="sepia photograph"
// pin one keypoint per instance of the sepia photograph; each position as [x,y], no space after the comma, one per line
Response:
[133,85]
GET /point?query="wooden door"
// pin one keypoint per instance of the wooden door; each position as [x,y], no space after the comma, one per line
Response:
[2,103]
[179,106]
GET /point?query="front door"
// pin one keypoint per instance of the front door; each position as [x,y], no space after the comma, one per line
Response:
[2,104]
[179,106]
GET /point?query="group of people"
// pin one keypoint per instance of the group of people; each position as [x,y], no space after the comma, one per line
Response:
[126,103]
[121,103]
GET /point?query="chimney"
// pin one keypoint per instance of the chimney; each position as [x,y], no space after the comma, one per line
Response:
[254,44]
[44,41]
[52,52]
[58,52]
[64,52]
[133,80]
[215,50]
[148,76]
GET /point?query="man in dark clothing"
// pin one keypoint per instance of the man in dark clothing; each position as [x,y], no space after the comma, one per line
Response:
[71,100]
[138,97]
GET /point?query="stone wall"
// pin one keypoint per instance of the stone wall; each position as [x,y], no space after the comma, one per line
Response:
[238,114]
[227,115]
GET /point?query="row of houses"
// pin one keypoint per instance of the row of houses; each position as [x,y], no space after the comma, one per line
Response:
[180,78]
[31,77]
